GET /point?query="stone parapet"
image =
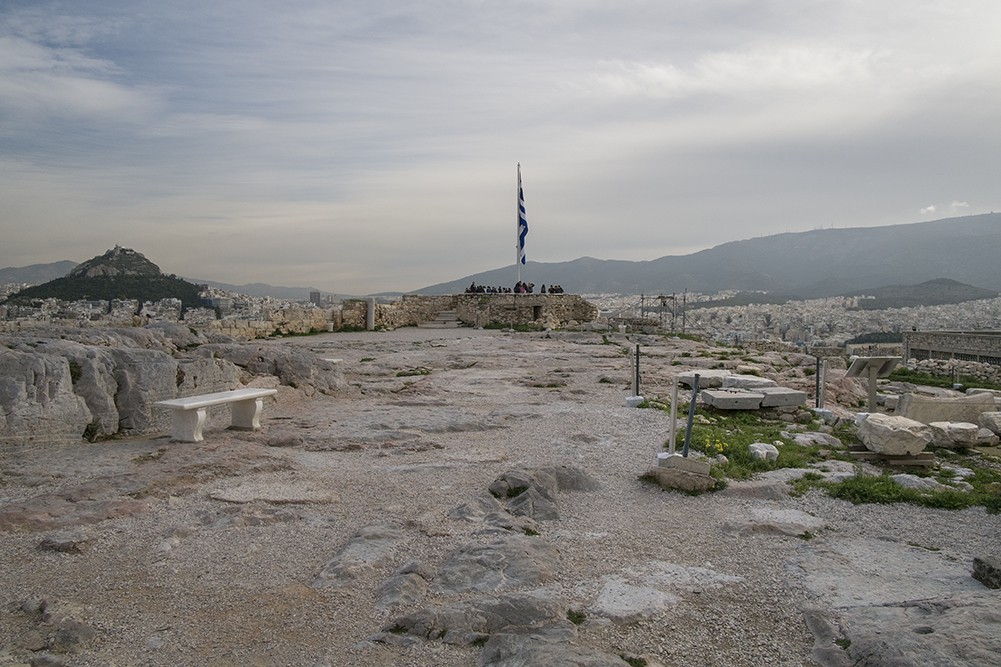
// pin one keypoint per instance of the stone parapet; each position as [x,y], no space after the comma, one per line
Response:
[956,367]
[979,346]
[475,310]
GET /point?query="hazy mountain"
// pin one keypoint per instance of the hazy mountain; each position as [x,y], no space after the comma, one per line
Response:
[826,262]
[930,293]
[36,273]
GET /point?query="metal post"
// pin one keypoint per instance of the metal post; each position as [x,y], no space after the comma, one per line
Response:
[691,416]
[873,372]
[823,383]
[636,378]
[819,404]
[674,416]
[684,310]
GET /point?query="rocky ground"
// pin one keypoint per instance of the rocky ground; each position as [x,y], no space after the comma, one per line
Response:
[360,529]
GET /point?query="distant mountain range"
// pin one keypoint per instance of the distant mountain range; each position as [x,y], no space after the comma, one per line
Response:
[802,265]
[819,263]
[36,273]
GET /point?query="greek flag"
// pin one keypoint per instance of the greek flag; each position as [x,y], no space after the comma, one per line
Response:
[522,219]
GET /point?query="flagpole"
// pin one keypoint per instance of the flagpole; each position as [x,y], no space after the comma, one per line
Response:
[517,226]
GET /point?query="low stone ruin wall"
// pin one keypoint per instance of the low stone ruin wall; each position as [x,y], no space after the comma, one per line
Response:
[477,310]
[955,367]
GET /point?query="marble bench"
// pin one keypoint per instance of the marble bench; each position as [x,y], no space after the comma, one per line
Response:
[188,414]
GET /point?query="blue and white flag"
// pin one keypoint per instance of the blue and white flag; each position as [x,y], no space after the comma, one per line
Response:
[522,219]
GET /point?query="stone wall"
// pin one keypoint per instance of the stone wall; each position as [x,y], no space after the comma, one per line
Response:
[477,310]
[956,367]
[286,321]
[980,346]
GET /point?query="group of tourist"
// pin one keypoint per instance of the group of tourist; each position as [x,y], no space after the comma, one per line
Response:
[529,288]
[519,288]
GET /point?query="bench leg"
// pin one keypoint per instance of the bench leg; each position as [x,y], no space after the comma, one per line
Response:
[247,414]
[186,425]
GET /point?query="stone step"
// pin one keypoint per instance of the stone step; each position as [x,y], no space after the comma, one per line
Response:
[435,324]
[446,319]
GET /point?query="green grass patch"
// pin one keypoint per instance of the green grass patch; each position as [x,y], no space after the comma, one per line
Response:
[882,489]
[730,434]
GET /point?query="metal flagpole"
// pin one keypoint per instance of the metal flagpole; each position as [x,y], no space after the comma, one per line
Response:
[517,225]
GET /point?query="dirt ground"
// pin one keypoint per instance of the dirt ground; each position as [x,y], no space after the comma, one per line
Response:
[151,552]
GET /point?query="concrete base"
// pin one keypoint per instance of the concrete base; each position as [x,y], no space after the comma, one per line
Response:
[927,409]
[634,401]
[824,415]
[665,460]
[682,480]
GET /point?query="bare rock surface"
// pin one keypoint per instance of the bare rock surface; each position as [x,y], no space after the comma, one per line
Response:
[364,501]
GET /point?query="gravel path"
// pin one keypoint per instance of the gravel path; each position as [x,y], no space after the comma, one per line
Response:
[217,564]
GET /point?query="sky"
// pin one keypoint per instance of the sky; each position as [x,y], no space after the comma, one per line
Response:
[368,146]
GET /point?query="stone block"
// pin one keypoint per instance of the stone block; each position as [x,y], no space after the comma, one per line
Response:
[987,570]
[707,378]
[763,451]
[986,437]
[963,434]
[991,421]
[780,397]
[928,409]
[996,393]
[681,480]
[729,399]
[884,434]
[683,463]
[747,382]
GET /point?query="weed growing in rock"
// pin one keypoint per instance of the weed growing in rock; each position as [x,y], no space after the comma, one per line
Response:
[421,370]
[732,433]
[863,489]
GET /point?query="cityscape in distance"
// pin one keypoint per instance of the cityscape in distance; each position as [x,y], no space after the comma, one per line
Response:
[822,287]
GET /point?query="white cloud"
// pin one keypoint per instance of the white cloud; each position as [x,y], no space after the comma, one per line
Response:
[929,210]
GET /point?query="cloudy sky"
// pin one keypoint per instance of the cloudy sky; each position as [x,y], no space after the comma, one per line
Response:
[371,145]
